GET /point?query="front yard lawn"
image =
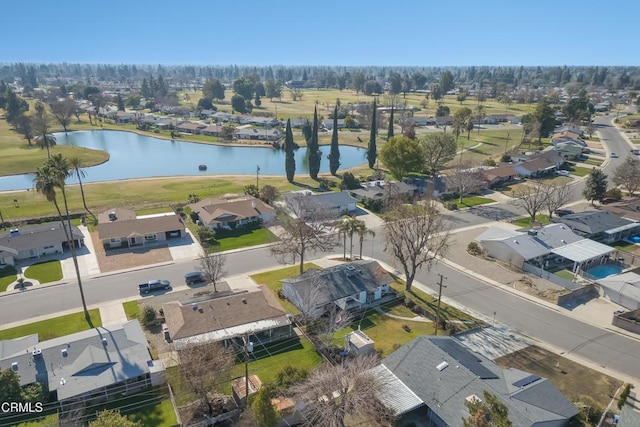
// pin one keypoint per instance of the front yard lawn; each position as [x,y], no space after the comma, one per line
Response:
[526,221]
[242,238]
[471,201]
[44,272]
[54,328]
[271,279]
[8,275]
[152,408]
[131,309]
[565,274]
[579,170]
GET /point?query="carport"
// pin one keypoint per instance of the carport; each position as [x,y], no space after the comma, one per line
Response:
[623,289]
[585,254]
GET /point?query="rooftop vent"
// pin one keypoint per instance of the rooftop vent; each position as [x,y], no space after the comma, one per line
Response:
[253,204]
[36,352]
[64,352]
[104,341]
[472,398]
[442,366]
[112,216]
[15,232]
[194,305]
[244,301]
[14,366]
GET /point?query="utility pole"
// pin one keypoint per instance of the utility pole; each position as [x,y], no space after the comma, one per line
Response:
[506,145]
[440,286]
[248,348]
[257,174]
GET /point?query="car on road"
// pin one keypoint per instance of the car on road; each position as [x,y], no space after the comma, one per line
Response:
[562,172]
[563,212]
[194,277]
[613,155]
[636,152]
[154,285]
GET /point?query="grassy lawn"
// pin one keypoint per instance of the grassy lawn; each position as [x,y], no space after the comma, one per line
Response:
[242,238]
[594,161]
[574,380]
[7,276]
[141,194]
[44,272]
[526,221]
[471,201]
[624,246]
[565,274]
[579,170]
[151,408]
[387,332]
[131,309]
[271,279]
[154,210]
[54,328]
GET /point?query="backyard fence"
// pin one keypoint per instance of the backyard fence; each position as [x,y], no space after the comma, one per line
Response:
[547,275]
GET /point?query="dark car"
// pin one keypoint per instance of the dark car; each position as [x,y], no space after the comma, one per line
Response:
[563,212]
[194,277]
[608,200]
[154,285]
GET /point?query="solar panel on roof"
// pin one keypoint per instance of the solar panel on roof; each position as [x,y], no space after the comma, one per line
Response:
[526,381]
[464,356]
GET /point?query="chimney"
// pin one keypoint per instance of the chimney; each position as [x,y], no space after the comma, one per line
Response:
[15,232]
[253,204]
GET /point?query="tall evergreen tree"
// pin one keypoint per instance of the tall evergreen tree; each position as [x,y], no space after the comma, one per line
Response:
[595,187]
[290,161]
[314,149]
[390,131]
[372,151]
[334,154]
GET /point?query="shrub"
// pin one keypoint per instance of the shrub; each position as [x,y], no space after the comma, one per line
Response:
[451,206]
[206,235]
[349,182]
[623,396]
[489,162]
[614,193]
[473,248]
[505,158]
[147,315]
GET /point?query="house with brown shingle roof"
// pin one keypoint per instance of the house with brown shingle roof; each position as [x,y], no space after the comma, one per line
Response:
[229,213]
[122,228]
[504,172]
[256,313]
[189,127]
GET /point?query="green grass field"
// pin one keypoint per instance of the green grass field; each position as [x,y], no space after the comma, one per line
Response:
[55,327]
[44,272]
[579,170]
[151,408]
[242,238]
[469,201]
[526,221]
[8,275]
[565,274]
[131,309]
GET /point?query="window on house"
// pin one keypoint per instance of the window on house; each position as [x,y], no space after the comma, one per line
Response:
[49,247]
[150,237]
[114,240]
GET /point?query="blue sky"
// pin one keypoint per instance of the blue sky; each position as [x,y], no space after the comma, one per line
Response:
[326,32]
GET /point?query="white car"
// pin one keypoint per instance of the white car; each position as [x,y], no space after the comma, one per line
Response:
[613,155]
[562,172]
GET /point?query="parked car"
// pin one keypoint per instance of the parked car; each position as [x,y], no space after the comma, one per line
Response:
[194,277]
[608,200]
[636,152]
[154,285]
[613,155]
[562,172]
[563,212]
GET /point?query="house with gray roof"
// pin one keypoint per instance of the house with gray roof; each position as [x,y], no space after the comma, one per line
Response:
[602,226]
[353,285]
[429,381]
[36,241]
[379,190]
[258,134]
[86,364]
[623,289]
[331,202]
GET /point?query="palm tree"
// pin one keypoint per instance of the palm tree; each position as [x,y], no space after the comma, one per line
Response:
[343,230]
[75,164]
[51,176]
[362,230]
[350,226]
[43,138]
[480,114]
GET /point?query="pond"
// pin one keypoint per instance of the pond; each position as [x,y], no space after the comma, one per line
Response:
[138,156]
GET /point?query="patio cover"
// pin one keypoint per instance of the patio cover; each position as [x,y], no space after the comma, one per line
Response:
[583,250]
[622,228]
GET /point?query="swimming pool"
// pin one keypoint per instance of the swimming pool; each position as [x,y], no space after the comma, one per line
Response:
[634,239]
[602,271]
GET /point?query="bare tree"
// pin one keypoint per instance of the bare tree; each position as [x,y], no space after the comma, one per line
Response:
[332,395]
[416,235]
[556,196]
[212,266]
[531,197]
[62,111]
[203,366]
[306,228]
[628,175]
[325,328]
[464,180]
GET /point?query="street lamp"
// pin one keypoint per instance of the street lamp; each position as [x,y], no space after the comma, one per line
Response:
[493,325]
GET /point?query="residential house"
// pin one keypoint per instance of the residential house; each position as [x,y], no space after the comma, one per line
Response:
[108,361]
[501,118]
[516,247]
[353,285]
[602,226]
[36,241]
[121,228]
[189,127]
[212,130]
[264,121]
[258,134]
[430,380]
[444,120]
[569,151]
[504,172]
[433,187]
[225,117]
[331,202]
[628,209]
[206,114]
[569,127]
[256,314]
[328,124]
[379,190]
[298,123]
[231,213]
[124,117]
[538,165]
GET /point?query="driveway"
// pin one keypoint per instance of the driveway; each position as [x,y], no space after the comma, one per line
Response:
[184,248]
